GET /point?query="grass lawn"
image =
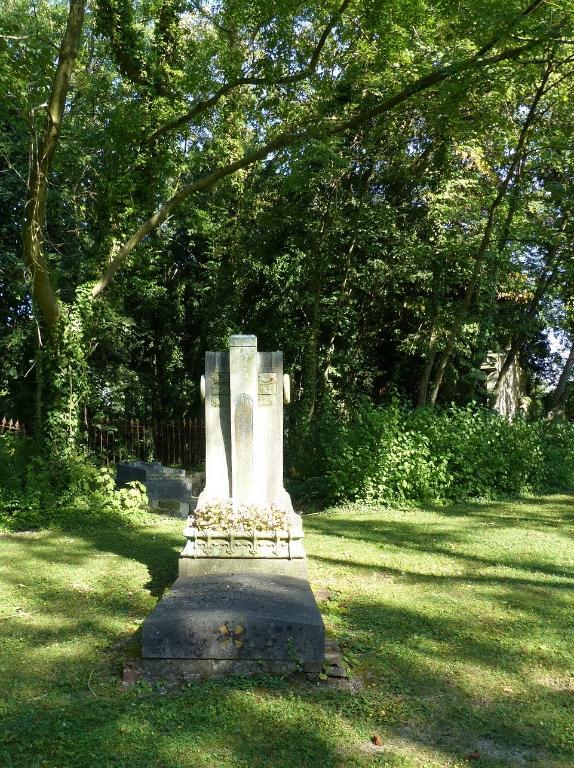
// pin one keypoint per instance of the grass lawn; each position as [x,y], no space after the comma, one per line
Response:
[458,620]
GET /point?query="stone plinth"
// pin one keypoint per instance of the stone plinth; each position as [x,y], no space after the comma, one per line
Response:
[231,613]
[247,544]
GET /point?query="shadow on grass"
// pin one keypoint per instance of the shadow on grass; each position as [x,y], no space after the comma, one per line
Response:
[203,725]
[411,657]
[418,538]
[415,699]
[156,549]
[559,510]
[63,706]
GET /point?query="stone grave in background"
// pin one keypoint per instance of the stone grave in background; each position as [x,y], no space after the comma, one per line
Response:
[242,602]
[168,489]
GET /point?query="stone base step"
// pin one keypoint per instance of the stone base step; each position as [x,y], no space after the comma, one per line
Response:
[230,613]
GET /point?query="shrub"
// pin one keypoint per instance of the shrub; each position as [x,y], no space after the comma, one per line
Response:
[75,494]
[395,452]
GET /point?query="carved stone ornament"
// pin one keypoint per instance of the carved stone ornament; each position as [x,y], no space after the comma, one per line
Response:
[267,389]
[249,544]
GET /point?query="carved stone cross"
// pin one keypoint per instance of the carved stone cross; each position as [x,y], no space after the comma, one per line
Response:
[244,391]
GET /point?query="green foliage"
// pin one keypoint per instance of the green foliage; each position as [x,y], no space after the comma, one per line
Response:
[396,453]
[63,379]
[352,252]
[75,494]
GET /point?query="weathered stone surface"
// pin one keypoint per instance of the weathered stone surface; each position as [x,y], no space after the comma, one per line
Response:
[192,670]
[236,615]
[172,507]
[243,485]
[197,482]
[172,672]
[280,567]
[249,544]
[269,429]
[244,393]
[162,483]
[217,427]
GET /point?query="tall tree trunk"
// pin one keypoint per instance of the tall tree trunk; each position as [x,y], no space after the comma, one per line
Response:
[56,391]
[431,351]
[311,362]
[560,391]
[362,192]
[311,350]
[544,282]
[427,371]
[480,256]
[42,154]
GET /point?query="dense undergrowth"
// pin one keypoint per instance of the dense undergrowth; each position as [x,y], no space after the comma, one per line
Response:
[369,453]
[393,452]
[35,493]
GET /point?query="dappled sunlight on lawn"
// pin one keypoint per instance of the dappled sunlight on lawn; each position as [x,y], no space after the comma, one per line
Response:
[458,625]
[472,609]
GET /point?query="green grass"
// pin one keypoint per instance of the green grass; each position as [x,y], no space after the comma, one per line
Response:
[458,620]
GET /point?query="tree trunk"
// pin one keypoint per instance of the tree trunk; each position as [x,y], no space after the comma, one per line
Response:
[41,159]
[487,235]
[560,391]
[311,351]
[56,391]
[426,376]
[62,387]
[362,190]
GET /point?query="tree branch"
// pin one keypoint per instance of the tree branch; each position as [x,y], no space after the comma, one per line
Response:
[297,137]
[507,29]
[202,105]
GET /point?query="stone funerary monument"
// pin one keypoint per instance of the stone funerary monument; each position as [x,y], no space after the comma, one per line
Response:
[167,487]
[242,602]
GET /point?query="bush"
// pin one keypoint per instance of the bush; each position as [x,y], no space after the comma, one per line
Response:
[398,453]
[35,494]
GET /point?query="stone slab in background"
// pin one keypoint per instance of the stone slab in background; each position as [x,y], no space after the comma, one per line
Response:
[172,508]
[165,486]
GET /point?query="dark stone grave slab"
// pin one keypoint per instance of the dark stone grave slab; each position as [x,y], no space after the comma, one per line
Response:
[236,615]
[169,489]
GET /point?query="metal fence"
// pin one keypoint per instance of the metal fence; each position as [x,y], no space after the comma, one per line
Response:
[175,442]
[9,425]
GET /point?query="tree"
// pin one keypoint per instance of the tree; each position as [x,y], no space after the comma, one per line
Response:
[156,106]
